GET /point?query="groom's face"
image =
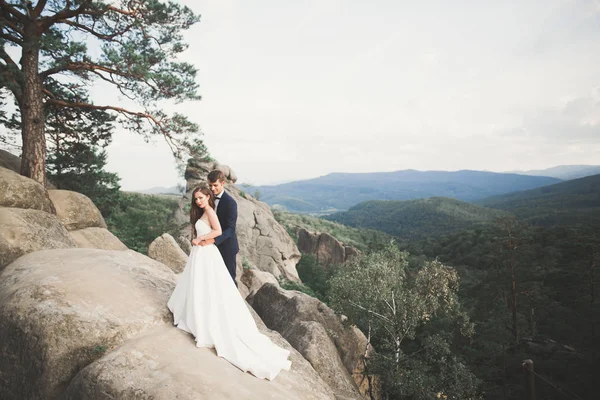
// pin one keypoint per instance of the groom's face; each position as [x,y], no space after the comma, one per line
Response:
[216,187]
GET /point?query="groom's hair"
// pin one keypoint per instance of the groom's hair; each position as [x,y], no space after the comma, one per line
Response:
[216,175]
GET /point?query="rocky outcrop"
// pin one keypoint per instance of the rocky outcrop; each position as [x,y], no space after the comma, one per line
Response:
[253,279]
[88,323]
[263,241]
[326,249]
[165,249]
[75,210]
[20,192]
[96,238]
[185,244]
[333,349]
[25,230]
[197,170]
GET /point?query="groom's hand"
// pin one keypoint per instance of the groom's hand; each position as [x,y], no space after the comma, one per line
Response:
[207,242]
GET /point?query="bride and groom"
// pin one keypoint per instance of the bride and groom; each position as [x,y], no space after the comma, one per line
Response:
[206,301]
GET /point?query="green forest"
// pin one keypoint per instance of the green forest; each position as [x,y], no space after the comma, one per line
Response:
[528,271]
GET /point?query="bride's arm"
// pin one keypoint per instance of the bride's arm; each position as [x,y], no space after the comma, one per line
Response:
[215,225]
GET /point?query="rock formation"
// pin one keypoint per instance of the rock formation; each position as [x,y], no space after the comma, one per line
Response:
[326,249]
[335,351]
[96,238]
[263,242]
[75,210]
[165,249]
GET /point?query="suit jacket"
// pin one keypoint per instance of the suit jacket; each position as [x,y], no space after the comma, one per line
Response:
[227,214]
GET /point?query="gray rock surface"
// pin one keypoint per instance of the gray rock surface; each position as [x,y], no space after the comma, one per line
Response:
[326,249]
[75,210]
[16,191]
[165,249]
[253,279]
[23,231]
[62,309]
[142,369]
[96,238]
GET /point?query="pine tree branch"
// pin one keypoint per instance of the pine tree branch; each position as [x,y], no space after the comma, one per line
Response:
[8,74]
[86,28]
[11,38]
[85,66]
[37,11]
[126,113]
[7,59]
[11,9]
[9,21]
[65,13]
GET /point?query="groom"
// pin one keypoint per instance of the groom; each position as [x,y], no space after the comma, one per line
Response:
[226,208]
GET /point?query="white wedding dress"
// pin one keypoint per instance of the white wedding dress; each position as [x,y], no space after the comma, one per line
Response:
[207,304]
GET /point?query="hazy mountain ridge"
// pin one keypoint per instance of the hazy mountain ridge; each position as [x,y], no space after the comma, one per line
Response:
[340,191]
[564,172]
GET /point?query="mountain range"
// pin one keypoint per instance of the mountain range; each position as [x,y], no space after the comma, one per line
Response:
[564,172]
[569,203]
[340,191]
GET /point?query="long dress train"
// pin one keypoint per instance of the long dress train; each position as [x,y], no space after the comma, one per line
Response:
[207,304]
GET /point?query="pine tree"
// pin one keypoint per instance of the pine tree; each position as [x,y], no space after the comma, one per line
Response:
[70,45]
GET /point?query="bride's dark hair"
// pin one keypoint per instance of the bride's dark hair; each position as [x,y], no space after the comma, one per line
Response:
[195,211]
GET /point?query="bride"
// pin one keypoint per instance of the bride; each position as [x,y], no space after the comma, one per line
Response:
[207,304]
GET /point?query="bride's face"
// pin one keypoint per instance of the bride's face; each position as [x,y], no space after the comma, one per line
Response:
[201,199]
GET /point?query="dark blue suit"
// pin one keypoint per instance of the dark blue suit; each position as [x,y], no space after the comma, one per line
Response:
[227,243]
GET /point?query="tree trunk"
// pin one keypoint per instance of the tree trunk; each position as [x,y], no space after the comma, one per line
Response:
[515,329]
[33,163]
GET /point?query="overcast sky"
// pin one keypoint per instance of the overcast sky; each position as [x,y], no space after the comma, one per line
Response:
[298,89]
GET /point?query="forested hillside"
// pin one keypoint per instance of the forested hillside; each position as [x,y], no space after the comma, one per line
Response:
[416,219]
[566,203]
[529,276]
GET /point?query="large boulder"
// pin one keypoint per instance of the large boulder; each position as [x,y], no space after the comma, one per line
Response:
[75,210]
[253,279]
[62,309]
[197,170]
[10,161]
[25,230]
[335,350]
[326,249]
[21,192]
[165,249]
[96,238]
